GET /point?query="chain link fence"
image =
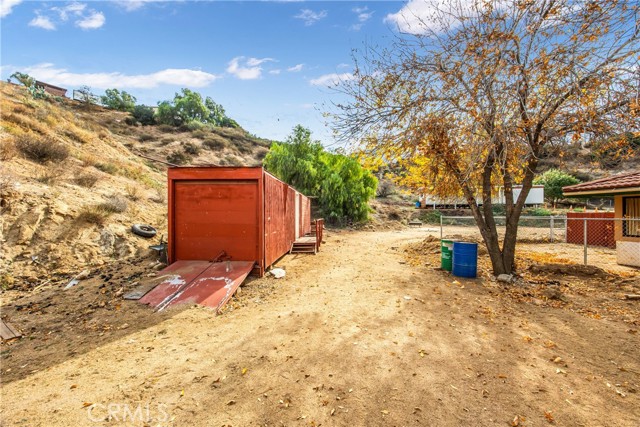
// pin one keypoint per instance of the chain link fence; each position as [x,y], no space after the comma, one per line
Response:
[603,242]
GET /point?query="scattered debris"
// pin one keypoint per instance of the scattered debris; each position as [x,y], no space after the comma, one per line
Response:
[278,273]
[8,332]
[505,278]
[83,275]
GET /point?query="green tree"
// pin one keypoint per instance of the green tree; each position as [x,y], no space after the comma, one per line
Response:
[188,106]
[296,161]
[342,185]
[553,181]
[144,115]
[116,100]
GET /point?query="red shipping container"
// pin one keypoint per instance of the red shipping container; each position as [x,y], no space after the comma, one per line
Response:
[244,211]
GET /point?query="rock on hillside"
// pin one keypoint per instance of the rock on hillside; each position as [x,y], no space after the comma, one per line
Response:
[72,184]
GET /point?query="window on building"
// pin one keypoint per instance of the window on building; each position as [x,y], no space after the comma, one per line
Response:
[631,214]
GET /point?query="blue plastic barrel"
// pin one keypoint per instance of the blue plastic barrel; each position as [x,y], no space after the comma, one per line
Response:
[465,259]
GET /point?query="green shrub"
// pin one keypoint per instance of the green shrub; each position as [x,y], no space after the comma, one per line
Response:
[144,115]
[538,212]
[191,148]
[93,215]
[430,216]
[109,168]
[41,149]
[215,143]
[178,157]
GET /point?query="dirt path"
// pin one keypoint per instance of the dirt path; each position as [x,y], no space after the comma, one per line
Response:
[351,336]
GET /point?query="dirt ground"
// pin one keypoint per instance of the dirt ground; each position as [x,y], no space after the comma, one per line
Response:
[366,332]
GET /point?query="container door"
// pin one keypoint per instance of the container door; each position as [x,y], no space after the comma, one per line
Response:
[215,216]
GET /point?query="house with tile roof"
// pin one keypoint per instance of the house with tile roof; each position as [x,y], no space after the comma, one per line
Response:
[625,190]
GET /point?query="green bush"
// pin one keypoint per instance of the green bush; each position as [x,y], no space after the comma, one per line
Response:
[109,168]
[538,212]
[430,216]
[553,181]
[215,143]
[178,157]
[191,148]
[144,115]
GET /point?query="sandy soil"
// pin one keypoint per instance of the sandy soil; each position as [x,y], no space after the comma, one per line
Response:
[366,332]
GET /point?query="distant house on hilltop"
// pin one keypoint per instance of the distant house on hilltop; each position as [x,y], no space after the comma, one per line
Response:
[51,89]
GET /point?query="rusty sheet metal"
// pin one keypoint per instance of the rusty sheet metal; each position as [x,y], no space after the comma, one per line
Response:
[172,279]
[214,287]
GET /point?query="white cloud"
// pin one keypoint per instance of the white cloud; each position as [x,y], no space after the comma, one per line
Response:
[275,72]
[295,68]
[254,62]
[6,6]
[248,69]
[81,15]
[132,5]
[94,21]
[170,76]
[74,9]
[363,16]
[331,80]
[422,16]
[42,22]
[343,65]
[310,17]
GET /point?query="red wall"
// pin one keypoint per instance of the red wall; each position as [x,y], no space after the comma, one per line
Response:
[600,232]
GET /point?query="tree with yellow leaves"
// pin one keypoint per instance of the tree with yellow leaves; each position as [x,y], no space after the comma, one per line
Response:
[471,92]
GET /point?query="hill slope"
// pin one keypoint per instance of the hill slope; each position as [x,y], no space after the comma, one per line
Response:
[72,184]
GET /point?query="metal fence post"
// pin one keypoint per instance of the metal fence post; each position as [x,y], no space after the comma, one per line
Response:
[584,238]
[440,227]
[551,228]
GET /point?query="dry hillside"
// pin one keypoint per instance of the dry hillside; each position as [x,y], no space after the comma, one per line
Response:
[72,184]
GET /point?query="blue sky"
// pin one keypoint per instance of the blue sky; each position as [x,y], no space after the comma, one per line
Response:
[269,63]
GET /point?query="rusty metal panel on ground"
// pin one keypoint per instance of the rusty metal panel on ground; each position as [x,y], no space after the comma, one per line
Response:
[214,287]
[205,283]
[172,279]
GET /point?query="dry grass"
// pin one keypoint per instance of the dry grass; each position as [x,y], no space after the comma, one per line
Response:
[41,149]
[51,176]
[26,123]
[114,204]
[7,149]
[215,142]
[78,135]
[87,179]
[133,192]
[160,197]
[107,167]
[94,215]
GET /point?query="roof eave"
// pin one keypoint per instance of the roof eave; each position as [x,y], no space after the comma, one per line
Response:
[603,192]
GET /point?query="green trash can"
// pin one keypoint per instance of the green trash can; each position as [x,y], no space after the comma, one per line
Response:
[446,254]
